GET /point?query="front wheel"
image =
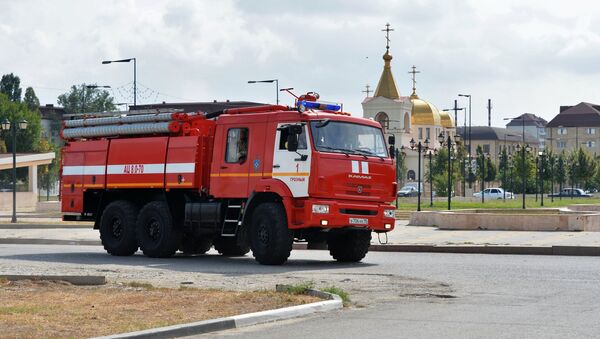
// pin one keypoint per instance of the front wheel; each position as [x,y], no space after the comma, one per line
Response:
[117,228]
[155,231]
[349,246]
[270,239]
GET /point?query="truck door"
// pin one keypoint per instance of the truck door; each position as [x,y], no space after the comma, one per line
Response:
[293,168]
[232,180]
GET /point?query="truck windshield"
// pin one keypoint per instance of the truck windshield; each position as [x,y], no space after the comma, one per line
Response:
[348,138]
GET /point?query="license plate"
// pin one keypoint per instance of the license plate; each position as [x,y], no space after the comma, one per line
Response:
[359,221]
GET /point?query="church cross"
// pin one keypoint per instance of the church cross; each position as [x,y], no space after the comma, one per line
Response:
[414,78]
[367,90]
[387,31]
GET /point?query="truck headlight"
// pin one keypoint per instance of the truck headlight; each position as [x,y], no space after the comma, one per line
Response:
[389,213]
[320,209]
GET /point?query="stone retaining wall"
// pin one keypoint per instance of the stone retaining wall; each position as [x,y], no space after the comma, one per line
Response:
[517,220]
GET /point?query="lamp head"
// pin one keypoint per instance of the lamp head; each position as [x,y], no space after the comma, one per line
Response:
[412,143]
[426,143]
[441,138]
[23,124]
[5,125]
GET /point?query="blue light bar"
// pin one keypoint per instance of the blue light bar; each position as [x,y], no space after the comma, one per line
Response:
[319,105]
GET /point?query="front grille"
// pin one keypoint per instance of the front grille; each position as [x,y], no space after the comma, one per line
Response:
[354,189]
[357,212]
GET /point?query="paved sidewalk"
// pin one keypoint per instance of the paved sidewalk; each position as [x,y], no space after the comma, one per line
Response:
[403,239]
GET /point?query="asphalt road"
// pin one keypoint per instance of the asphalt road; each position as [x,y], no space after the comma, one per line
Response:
[395,294]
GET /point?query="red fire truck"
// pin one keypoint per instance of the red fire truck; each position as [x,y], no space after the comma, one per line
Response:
[252,178]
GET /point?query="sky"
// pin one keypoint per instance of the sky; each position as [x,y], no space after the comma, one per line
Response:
[527,56]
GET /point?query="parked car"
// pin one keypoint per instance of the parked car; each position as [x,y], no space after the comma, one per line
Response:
[568,192]
[494,193]
[408,191]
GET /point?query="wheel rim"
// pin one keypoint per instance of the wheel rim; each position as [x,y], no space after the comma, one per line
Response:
[116,228]
[153,229]
[263,234]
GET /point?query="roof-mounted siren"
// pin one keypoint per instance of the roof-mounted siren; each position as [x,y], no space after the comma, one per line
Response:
[310,101]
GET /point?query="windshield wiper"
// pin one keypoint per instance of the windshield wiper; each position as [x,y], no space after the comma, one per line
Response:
[364,153]
[347,152]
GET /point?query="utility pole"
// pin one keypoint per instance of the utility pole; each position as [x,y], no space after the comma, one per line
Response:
[489,107]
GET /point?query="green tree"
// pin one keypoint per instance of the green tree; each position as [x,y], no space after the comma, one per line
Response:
[82,99]
[28,140]
[517,172]
[490,170]
[440,171]
[48,174]
[31,100]
[585,168]
[10,85]
[561,169]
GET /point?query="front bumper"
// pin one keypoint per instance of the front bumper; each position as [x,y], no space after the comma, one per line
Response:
[344,214]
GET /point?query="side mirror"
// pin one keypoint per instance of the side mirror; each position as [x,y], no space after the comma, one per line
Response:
[292,139]
[392,140]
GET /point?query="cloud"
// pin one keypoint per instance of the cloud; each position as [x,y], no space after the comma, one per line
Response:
[525,56]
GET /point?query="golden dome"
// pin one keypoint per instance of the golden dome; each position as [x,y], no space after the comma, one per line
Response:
[424,113]
[447,121]
[387,85]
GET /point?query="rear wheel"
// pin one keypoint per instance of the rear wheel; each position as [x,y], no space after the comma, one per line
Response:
[117,228]
[349,246]
[155,231]
[195,245]
[270,239]
[228,246]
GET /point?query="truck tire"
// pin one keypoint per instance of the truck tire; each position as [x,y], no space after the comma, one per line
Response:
[229,247]
[349,246]
[117,228]
[155,231]
[270,239]
[195,245]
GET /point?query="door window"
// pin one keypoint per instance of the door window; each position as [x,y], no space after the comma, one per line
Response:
[284,136]
[237,145]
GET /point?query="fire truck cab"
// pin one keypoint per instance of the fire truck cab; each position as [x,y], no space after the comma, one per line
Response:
[255,178]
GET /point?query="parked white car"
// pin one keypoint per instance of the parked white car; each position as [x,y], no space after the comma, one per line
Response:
[494,193]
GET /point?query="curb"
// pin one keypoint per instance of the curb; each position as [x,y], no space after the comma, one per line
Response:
[31,226]
[33,241]
[243,320]
[87,280]
[483,249]
[474,249]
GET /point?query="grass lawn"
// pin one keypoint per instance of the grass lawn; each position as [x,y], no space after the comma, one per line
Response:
[44,309]
[442,204]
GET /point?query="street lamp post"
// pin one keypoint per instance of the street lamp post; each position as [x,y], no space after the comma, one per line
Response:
[85,88]
[523,150]
[12,126]
[552,173]
[449,144]
[105,62]
[537,176]
[419,148]
[483,160]
[430,153]
[512,181]
[469,135]
[542,156]
[456,109]
[276,81]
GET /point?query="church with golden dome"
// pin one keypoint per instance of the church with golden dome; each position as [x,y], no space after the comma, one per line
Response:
[406,117]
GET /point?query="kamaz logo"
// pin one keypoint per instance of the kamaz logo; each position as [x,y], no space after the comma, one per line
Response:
[133,169]
[358,176]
